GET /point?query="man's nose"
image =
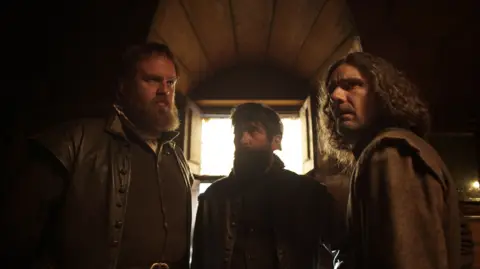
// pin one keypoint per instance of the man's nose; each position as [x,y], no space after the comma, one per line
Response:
[339,95]
[246,139]
[163,88]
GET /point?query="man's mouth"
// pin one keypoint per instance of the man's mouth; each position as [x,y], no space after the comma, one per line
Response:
[162,103]
[346,115]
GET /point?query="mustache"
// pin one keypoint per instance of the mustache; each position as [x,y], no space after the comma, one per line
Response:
[248,161]
[161,98]
[343,109]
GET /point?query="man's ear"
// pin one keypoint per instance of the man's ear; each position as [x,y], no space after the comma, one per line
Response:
[277,143]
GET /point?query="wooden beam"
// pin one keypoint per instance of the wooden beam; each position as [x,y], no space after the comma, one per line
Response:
[251,28]
[211,20]
[200,43]
[231,103]
[293,23]
[234,28]
[332,26]
[270,27]
[340,51]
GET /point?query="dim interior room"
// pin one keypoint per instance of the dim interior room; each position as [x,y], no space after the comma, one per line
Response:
[206,128]
[209,138]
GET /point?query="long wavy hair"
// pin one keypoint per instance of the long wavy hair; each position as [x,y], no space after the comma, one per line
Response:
[398,101]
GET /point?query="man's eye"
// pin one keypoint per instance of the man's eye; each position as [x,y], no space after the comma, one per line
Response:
[150,81]
[252,129]
[350,84]
[331,87]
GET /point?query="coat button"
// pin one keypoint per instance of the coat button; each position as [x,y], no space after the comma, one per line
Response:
[121,190]
[118,224]
[114,243]
[123,171]
[119,204]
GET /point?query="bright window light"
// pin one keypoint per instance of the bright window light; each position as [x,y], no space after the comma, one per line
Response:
[203,187]
[218,148]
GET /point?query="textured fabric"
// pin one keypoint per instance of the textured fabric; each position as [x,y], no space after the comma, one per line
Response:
[156,215]
[81,198]
[255,237]
[403,207]
[300,213]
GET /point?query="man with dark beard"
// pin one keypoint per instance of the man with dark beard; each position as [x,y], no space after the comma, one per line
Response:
[261,216]
[403,206]
[107,193]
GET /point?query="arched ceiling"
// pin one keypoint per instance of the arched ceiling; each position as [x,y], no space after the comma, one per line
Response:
[207,36]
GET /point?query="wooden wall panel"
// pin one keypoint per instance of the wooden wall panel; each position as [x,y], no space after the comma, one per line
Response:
[332,26]
[345,47]
[292,24]
[252,82]
[212,22]
[252,20]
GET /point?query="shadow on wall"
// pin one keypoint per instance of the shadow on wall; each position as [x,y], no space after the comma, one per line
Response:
[253,82]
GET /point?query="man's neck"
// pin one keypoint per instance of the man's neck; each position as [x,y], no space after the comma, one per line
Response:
[152,142]
[246,173]
[364,140]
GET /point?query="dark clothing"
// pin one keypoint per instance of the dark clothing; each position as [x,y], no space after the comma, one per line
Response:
[255,236]
[339,186]
[403,207]
[154,217]
[276,221]
[69,210]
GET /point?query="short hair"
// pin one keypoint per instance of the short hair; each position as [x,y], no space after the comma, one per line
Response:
[136,53]
[255,112]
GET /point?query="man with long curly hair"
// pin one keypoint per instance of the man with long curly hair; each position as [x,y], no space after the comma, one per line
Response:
[403,207]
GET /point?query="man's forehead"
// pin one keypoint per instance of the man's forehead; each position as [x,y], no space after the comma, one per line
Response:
[346,71]
[157,64]
[248,124]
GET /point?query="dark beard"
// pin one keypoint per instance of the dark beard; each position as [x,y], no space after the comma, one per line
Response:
[248,162]
[151,119]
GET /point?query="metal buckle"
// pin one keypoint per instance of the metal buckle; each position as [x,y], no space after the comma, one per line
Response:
[159,265]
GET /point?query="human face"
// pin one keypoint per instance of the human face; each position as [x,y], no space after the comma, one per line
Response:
[149,97]
[352,102]
[251,135]
[253,148]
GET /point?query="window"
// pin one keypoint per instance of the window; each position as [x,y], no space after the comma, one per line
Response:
[217,146]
